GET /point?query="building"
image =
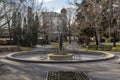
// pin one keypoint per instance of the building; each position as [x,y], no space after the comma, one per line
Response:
[53,23]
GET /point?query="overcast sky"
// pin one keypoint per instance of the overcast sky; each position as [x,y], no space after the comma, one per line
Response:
[56,5]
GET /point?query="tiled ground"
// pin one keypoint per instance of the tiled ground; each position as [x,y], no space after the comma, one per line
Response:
[102,70]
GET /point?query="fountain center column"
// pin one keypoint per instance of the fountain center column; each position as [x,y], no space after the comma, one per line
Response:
[60,42]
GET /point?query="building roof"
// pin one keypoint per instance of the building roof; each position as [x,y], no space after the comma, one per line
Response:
[51,14]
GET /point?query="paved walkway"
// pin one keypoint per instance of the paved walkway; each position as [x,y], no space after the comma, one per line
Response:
[102,70]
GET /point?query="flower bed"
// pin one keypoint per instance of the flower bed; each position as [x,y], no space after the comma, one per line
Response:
[2,69]
[67,75]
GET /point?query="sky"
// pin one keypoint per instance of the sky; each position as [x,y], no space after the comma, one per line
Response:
[56,5]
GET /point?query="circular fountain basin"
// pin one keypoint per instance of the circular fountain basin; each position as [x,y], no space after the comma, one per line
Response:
[51,57]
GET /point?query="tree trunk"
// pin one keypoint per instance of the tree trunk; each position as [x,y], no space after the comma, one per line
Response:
[10,33]
[69,39]
[98,41]
[114,39]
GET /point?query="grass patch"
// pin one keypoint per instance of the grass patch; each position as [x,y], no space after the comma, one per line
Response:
[111,44]
[55,47]
[117,49]
[101,48]
[104,47]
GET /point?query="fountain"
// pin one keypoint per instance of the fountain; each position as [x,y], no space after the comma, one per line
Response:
[42,56]
[60,55]
[50,56]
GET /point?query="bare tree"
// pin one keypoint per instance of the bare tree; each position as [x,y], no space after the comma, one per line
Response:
[70,21]
[98,9]
[9,7]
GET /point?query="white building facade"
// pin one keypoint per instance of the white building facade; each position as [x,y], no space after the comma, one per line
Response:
[53,23]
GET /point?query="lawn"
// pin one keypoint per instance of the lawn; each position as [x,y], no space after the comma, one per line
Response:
[104,47]
[13,48]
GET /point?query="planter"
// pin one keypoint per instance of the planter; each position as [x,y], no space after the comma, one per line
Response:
[66,56]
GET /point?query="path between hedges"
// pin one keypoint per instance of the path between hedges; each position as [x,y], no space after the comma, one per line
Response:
[103,70]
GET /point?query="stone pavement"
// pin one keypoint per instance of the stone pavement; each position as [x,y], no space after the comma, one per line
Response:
[102,70]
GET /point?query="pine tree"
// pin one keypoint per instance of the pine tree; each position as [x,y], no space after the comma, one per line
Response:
[16,28]
[30,30]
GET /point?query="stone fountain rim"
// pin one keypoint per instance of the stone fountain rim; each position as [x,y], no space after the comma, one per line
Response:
[107,57]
